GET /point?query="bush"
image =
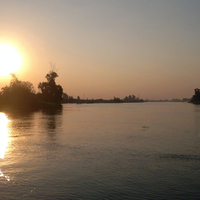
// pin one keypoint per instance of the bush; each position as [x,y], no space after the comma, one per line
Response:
[18,95]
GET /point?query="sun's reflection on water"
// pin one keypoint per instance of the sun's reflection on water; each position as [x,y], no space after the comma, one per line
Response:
[4,139]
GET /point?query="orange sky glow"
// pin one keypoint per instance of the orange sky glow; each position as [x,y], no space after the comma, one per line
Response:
[103,49]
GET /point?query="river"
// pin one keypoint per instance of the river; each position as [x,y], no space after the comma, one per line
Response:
[102,151]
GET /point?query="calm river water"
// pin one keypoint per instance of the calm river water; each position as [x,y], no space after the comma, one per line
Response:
[102,151]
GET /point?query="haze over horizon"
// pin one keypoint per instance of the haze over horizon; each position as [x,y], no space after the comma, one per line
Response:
[107,48]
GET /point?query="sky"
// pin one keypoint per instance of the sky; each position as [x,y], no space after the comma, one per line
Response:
[107,48]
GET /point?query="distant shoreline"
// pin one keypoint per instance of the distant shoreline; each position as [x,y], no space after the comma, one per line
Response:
[119,101]
[100,101]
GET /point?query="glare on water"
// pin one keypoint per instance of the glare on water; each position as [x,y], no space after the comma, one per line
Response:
[4,139]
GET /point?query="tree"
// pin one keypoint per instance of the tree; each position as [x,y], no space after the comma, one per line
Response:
[50,91]
[19,94]
[196,96]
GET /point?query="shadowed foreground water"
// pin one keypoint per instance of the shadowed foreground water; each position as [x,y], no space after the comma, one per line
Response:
[102,151]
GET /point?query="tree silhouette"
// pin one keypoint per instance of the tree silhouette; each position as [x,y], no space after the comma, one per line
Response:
[196,96]
[18,94]
[50,91]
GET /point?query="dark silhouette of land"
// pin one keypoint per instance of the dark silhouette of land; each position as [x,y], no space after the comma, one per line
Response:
[20,95]
[171,100]
[196,97]
[78,100]
[50,91]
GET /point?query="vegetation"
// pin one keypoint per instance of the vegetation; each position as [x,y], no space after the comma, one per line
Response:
[129,99]
[20,95]
[50,91]
[196,97]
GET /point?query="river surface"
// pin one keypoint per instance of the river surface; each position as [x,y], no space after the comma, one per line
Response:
[102,151]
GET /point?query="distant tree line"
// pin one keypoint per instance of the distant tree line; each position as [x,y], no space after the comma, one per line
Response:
[130,98]
[70,99]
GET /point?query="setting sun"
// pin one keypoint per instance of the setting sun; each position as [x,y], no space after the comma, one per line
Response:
[10,60]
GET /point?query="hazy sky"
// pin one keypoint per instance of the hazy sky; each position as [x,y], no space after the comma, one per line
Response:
[107,48]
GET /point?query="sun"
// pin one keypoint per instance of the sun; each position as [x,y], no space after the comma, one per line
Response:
[10,60]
